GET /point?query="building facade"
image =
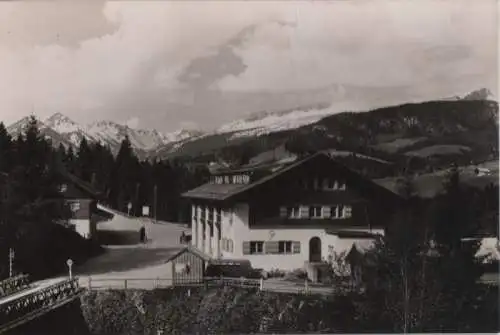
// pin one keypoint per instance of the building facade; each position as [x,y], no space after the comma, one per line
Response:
[288,216]
[81,200]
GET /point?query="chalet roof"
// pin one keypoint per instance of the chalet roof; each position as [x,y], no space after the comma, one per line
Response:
[221,192]
[80,184]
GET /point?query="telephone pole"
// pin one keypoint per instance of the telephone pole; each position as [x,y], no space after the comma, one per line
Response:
[136,198]
[11,261]
[155,201]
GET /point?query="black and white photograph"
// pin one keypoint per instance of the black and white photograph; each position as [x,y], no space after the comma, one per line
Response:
[249,167]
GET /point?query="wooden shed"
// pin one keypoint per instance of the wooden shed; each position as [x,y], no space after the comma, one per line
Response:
[188,266]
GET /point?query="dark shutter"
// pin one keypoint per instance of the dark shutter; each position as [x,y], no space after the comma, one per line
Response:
[271,247]
[246,248]
[283,212]
[296,247]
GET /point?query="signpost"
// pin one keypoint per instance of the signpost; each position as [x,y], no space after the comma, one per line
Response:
[11,261]
[145,210]
[69,263]
[129,207]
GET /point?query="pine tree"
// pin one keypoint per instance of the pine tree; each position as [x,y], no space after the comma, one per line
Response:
[84,161]
[5,149]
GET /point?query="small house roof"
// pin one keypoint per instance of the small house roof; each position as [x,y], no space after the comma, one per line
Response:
[192,250]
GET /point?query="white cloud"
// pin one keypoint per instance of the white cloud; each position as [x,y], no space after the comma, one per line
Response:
[121,60]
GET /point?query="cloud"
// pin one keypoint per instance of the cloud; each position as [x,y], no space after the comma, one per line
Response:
[170,62]
[133,122]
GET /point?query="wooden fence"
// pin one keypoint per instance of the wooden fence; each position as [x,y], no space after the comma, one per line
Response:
[158,283]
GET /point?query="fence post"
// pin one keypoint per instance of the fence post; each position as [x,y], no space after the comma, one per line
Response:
[90,282]
[125,283]
[306,286]
[261,286]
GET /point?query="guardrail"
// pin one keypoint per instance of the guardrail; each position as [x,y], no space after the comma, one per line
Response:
[12,285]
[25,307]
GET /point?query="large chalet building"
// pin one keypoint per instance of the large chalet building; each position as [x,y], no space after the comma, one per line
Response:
[288,216]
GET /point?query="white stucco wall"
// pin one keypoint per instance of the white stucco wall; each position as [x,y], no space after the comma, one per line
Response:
[234,226]
[82,227]
[241,232]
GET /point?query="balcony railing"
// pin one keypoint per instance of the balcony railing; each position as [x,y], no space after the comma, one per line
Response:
[12,285]
[32,303]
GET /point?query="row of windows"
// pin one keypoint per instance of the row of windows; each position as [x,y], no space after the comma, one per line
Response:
[318,212]
[271,247]
[325,184]
[232,179]
[207,213]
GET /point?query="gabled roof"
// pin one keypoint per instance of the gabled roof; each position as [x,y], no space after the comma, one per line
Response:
[222,192]
[192,250]
[80,184]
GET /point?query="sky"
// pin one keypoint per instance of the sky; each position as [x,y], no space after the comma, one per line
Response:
[199,64]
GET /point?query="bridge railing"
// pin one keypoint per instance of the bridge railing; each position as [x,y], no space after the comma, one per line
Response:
[14,284]
[19,308]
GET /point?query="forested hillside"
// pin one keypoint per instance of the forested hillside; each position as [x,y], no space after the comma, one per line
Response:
[417,137]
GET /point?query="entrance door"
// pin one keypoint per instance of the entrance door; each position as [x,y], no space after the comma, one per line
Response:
[315,249]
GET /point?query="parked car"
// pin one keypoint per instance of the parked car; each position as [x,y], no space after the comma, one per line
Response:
[230,268]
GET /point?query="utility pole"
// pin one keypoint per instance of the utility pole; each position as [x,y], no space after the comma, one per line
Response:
[155,201]
[11,261]
[136,198]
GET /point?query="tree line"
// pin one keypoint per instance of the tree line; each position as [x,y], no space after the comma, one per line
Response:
[124,179]
[29,188]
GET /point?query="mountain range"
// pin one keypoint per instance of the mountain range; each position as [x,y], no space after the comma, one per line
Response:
[308,123]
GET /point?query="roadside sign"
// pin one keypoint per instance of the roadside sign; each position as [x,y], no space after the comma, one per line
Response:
[69,262]
[129,206]
[145,210]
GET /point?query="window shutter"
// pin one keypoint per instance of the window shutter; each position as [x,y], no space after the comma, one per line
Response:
[304,211]
[271,247]
[296,247]
[347,211]
[283,212]
[326,211]
[246,248]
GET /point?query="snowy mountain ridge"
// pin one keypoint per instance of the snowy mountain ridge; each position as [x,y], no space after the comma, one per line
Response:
[62,130]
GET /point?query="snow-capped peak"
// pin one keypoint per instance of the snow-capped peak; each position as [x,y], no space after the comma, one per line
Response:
[267,122]
[62,124]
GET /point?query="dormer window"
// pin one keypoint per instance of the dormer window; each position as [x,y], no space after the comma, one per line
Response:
[63,188]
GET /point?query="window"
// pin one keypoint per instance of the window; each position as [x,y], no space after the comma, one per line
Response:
[63,188]
[334,214]
[294,212]
[315,212]
[74,206]
[342,186]
[218,215]
[285,247]
[256,247]
[341,212]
